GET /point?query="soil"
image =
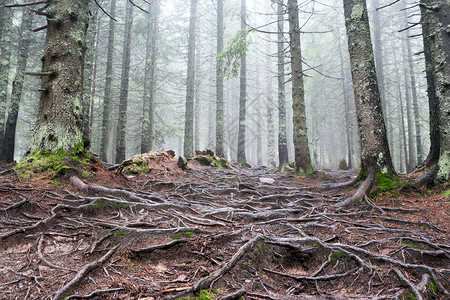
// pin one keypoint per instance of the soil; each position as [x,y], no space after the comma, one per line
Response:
[225,233]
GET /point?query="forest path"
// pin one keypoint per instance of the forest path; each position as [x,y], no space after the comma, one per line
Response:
[251,233]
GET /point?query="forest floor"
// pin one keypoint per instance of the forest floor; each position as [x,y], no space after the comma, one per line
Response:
[210,233]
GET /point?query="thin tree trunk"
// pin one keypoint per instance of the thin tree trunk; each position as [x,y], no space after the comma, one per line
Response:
[270,106]
[5,65]
[378,51]
[60,121]
[375,155]
[89,71]
[409,113]
[219,84]
[190,85]
[22,58]
[242,91]
[282,125]
[108,84]
[124,83]
[346,107]
[258,118]
[148,122]
[211,102]
[197,104]
[402,129]
[302,157]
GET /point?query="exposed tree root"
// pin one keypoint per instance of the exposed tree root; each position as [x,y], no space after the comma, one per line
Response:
[94,294]
[207,281]
[428,177]
[362,190]
[83,272]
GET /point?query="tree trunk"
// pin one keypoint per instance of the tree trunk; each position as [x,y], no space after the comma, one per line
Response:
[190,85]
[437,23]
[302,157]
[402,129]
[270,105]
[148,118]
[346,107]
[409,113]
[197,104]
[108,84]
[22,58]
[415,104]
[124,82]
[219,84]
[375,154]
[258,118]
[89,71]
[378,51]
[282,125]
[5,65]
[60,120]
[242,91]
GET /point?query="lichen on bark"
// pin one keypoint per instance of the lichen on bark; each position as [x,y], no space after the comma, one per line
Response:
[60,119]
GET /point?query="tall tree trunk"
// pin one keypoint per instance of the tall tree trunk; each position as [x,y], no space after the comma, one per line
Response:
[436,20]
[124,82]
[211,102]
[282,126]
[22,58]
[89,71]
[270,106]
[346,107]
[375,156]
[415,104]
[378,51]
[219,84]
[5,65]
[190,85]
[409,113]
[435,142]
[258,118]
[108,84]
[302,157]
[60,120]
[402,128]
[2,14]
[242,91]
[197,104]
[148,118]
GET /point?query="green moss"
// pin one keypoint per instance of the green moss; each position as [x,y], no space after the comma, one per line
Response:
[138,166]
[336,256]
[120,233]
[241,162]
[409,296]
[176,236]
[412,245]
[56,164]
[446,193]
[100,203]
[390,185]
[204,295]
[433,286]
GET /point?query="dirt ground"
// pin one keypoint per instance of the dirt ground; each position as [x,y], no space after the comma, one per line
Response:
[210,233]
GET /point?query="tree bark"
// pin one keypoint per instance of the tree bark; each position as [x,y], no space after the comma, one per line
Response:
[60,120]
[219,84]
[282,125]
[5,65]
[22,58]
[124,83]
[374,146]
[242,91]
[190,85]
[436,24]
[409,112]
[108,84]
[148,118]
[197,102]
[348,126]
[89,72]
[302,157]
